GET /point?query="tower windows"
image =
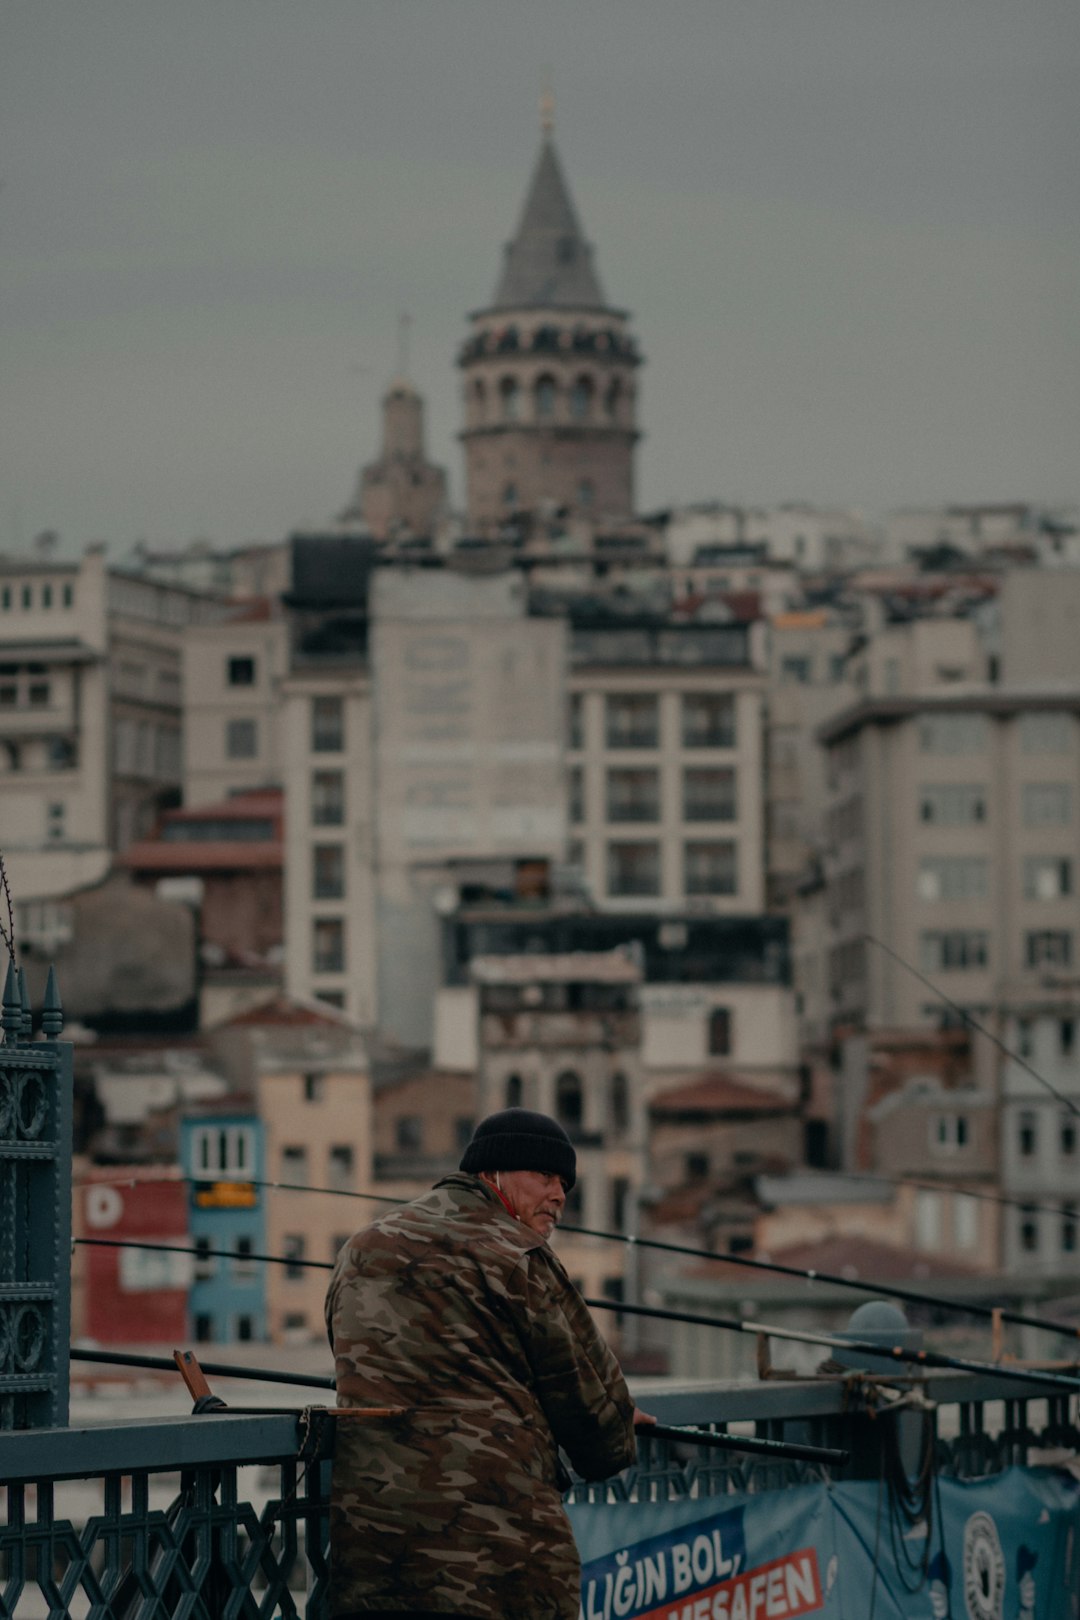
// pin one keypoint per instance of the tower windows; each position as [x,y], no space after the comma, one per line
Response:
[581,399]
[545,398]
[585,492]
[510,496]
[612,399]
[510,399]
[479,395]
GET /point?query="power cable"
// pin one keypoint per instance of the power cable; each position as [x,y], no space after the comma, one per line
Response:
[1066,1102]
[733,1324]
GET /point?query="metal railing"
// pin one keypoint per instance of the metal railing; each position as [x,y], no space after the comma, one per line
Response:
[224,1516]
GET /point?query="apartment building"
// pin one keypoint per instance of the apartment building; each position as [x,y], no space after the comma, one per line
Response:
[232,675]
[664,759]
[90,717]
[1040,1133]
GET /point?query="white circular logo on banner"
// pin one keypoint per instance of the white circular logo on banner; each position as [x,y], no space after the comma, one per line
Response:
[104,1206]
[984,1568]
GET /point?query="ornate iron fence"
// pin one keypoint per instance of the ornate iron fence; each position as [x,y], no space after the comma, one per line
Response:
[224,1517]
[35,1211]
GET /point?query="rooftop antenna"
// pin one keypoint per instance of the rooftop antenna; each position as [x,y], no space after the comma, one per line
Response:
[547,106]
[404,321]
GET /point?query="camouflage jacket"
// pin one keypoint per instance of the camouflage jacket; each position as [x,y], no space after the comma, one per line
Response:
[453,1311]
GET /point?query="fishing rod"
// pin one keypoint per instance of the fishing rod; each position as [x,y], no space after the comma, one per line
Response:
[922,1358]
[1065,1101]
[752,1445]
[734,1324]
[830,1279]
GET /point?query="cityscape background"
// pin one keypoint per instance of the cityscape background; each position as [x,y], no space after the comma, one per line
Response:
[675,728]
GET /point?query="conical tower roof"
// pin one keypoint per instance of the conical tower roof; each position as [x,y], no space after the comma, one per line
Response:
[549,263]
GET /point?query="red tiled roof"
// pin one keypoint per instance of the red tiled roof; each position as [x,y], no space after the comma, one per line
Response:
[282,1011]
[718,1093]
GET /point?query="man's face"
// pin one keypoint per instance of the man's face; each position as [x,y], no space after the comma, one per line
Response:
[536,1198]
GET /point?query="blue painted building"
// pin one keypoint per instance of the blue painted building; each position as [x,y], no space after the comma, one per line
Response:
[223,1156]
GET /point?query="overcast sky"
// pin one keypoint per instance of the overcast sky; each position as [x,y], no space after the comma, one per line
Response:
[847,230]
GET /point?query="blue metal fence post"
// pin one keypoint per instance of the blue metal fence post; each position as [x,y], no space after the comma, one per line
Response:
[35,1211]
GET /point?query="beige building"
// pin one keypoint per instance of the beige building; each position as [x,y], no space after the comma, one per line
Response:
[664,753]
[308,1071]
[232,674]
[90,718]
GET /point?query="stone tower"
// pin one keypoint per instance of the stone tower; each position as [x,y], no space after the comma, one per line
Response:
[550,406]
[402,494]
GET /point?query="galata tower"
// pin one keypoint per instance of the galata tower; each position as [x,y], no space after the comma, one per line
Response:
[550,401]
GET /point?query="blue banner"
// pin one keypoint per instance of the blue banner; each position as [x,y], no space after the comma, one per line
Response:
[1006,1548]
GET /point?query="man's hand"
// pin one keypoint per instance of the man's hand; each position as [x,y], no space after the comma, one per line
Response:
[643,1420]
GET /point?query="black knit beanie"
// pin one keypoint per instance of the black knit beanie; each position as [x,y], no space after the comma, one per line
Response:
[518,1139]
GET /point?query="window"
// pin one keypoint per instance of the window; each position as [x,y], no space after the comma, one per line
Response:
[575,721]
[585,492]
[245,1329]
[1044,732]
[205,1264]
[340,1165]
[696,1166]
[464,1126]
[5,599]
[1068,1228]
[513,1091]
[569,1102]
[795,670]
[328,872]
[1029,1229]
[720,1032]
[241,739]
[1047,804]
[327,799]
[633,720]
[1027,1139]
[952,804]
[331,998]
[954,732]
[244,1268]
[577,794]
[38,694]
[633,870]
[927,1220]
[1047,877]
[292,1247]
[953,949]
[509,399]
[1025,1036]
[633,795]
[953,877]
[709,793]
[27,596]
[545,398]
[328,945]
[327,725]
[620,1198]
[581,397]
[620,1103]
[294,1165]
[337,1243]
[204,1328]
[409,1133]
[294,1327]
[1067,1136]
[949,1132]
[1066,1036]
[1048,947]
[313,1088]
[708,720]
[965,1222]
[223,1150]
[510,495]
[54,822]
[241,671]
[710,868]
[46,596]
[68,595]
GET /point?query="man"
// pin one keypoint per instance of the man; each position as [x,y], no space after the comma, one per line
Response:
[454,1311]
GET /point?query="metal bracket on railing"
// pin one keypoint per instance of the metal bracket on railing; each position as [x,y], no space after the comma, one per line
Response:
[201,1394]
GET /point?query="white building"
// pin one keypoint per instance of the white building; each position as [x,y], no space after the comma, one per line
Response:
[232,674]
